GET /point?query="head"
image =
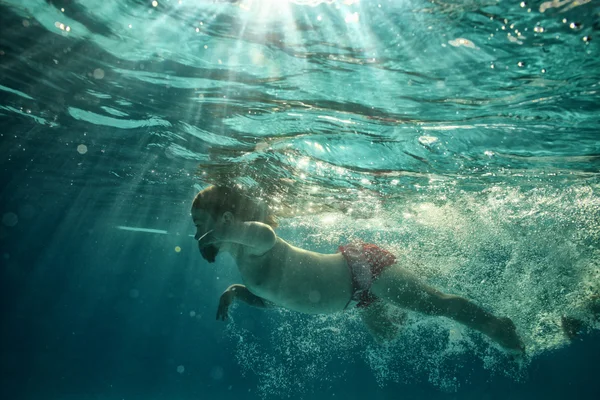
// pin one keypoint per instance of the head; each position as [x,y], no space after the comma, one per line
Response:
[217,203]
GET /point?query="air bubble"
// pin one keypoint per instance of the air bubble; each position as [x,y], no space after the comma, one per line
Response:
[99,73]
[10,219]
[587,39]
[575,25]
[521,64]
[314,296]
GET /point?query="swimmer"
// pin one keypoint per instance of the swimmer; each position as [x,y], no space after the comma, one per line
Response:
[276,273]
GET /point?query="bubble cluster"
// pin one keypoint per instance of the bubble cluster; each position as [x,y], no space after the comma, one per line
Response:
[487,246]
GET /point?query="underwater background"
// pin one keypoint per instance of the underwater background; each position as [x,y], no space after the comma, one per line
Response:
[464,136]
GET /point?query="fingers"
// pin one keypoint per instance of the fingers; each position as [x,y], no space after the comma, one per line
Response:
[222,313]
[224,302]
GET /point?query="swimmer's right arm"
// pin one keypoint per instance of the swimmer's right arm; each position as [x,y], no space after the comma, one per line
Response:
[257,237]
[238,292]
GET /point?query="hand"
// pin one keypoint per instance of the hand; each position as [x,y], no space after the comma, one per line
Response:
[224,303]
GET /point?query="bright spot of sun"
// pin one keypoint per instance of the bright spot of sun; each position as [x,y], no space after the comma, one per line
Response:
[462,42]
[351,18]
[329,219]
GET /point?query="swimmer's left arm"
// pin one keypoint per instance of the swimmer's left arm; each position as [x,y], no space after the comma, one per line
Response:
[238,292]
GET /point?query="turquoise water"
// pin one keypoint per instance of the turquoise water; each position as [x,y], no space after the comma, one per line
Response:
[461,135]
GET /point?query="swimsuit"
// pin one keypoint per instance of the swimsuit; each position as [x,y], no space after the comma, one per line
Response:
[366,262]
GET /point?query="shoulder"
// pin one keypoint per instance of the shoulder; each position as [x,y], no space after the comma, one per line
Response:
[259,237]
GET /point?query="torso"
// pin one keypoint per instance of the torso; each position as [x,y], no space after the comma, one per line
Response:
[297,279]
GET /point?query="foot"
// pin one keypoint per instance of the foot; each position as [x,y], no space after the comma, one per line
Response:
[571,326]
[505,334]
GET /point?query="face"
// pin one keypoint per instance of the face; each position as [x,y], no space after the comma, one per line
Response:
[204,224]
[203,221]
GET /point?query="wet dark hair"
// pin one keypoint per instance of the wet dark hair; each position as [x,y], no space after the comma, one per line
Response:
[219,199]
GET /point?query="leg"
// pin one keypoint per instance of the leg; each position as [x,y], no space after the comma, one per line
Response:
[402,288]
[381,326]
[589,312]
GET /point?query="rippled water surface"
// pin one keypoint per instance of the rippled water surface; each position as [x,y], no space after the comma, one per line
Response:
[462,135]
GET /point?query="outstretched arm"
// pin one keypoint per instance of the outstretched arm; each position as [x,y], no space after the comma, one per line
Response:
[239,292]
